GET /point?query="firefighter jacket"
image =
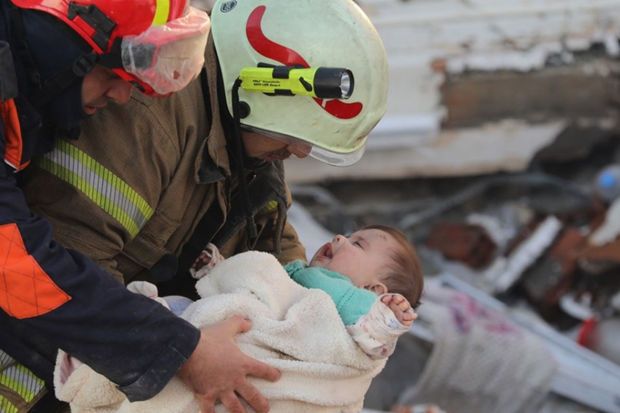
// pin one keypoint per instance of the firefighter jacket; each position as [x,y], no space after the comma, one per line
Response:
[144,199]
[52,297]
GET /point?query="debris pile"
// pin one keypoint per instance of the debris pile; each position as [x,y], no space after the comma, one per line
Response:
[540,248]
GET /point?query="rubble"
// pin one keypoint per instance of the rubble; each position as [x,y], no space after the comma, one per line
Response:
[463,242]
[517,244]
[525,254]
[546,284]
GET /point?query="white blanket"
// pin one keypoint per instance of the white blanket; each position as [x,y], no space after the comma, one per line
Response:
[294,329]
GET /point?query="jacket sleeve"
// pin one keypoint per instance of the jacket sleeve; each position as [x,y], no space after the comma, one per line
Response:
[65,298]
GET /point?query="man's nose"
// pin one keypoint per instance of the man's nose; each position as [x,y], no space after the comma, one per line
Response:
[119,91]
[300,150]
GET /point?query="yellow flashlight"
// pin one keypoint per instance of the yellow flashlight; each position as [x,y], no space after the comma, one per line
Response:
[320,82]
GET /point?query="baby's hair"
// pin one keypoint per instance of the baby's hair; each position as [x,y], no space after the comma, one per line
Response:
[404,275]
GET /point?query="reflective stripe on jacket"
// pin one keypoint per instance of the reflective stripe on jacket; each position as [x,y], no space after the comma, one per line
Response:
[51,297]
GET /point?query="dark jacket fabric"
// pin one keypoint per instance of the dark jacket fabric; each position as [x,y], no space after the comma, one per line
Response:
[52,297]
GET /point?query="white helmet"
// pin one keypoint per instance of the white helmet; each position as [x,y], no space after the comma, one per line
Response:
[333,35]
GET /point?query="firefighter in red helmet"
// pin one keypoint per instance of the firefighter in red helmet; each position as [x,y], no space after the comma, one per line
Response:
[61,61]
[156,45]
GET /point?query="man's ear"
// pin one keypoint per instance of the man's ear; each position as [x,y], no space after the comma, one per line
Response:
[378,288]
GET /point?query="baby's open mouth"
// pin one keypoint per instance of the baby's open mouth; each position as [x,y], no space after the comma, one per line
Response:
[327,250]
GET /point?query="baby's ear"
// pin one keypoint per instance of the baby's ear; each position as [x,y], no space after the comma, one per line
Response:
[378,288]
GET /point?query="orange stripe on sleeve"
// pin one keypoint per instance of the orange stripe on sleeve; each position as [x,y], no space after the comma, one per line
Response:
[25,289]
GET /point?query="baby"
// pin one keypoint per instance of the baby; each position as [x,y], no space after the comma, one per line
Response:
[372,276]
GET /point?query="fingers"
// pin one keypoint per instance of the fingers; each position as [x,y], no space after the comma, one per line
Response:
[398,302]
[261,370]
[404,305]
[401,308]
[394,299]
[225,379]
[232,403]
[206,403]
[407,316]
[238,324]
[253,397]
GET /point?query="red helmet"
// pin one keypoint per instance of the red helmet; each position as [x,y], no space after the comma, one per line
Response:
[156,44]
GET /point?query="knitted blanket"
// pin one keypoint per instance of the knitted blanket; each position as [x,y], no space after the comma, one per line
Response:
[294,329]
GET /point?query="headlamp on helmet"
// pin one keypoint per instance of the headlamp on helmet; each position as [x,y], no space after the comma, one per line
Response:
[321,82]
[319,47]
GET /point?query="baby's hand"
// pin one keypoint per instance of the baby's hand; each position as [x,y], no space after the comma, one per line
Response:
[401,308]
[203,259]
[208,258]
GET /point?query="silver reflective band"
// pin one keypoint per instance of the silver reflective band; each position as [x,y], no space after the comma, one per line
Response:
[99,184]
[19,387]
[335,158]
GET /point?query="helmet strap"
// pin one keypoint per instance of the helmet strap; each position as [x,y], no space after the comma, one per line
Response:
[102,28]
[57,84]
[112,59]
[101,25]
[240,150]
[45,91]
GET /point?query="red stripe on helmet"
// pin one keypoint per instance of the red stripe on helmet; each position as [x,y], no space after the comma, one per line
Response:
[289,57]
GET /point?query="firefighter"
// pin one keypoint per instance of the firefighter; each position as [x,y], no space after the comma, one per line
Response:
[59,62]
[204,165]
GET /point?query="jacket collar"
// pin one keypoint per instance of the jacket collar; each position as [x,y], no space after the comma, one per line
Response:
[213,162]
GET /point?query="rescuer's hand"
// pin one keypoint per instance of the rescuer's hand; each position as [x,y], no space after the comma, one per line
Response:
[217,371]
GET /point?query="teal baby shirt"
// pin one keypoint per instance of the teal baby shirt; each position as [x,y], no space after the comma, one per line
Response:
[351,302]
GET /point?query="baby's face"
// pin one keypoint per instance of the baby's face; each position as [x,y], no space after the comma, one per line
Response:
[362,257]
